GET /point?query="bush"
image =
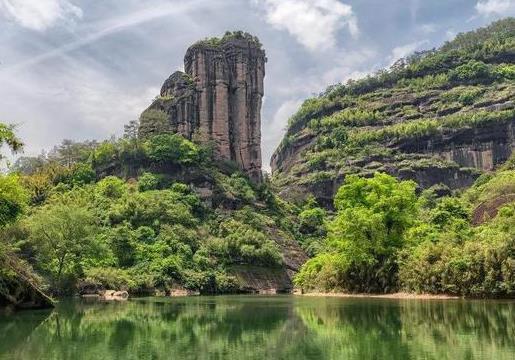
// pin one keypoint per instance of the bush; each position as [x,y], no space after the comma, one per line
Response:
[148,181]
[153,122]
[111,187]
[505,71]
[13,198]
[471,72]
[172,148]
[240,243]
[365,236]
[109,278]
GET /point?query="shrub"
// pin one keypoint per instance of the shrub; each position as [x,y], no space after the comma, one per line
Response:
[13,198]
[109,278]
[505,71]
[365,236]
[172,148]
[111,187]
[148,181]
[472,71]
[153,122]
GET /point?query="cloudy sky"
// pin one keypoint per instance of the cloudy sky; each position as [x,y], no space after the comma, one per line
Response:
[81,69]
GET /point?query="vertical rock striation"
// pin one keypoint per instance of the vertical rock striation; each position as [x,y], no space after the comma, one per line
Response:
[218,98]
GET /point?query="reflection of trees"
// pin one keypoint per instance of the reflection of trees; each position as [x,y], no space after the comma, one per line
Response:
[362,329]
[16,329]
[258,328]
[354,329]
[460,329]
[190,328]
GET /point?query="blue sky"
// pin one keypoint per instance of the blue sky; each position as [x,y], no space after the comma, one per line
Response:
[81,69]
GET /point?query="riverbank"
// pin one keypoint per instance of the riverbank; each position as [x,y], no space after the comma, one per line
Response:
[398,295]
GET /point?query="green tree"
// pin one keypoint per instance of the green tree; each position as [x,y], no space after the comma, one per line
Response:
[172,148]
[7,136]
[153,122]
[365,236]
[149,181]
[62,234]
[13,198]
[472,71]
[111,187]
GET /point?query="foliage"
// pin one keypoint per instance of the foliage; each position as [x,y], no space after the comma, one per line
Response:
[365,236]
[379,242]
[229,35]
[7,136]
[111,187]
[237,186]
[149,181]
[13,198]
[241,243]
[506,71]
[479,264]
[472,71]
[62,234]
[153,122]
[109,278]
[426,127]
[172,148]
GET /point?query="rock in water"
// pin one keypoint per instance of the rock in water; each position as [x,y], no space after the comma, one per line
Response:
[218,99]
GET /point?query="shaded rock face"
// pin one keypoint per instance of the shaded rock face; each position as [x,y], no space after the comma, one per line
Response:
[467,152]
[482,148]
[218,99]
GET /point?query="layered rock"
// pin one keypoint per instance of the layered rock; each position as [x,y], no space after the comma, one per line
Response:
[218,99]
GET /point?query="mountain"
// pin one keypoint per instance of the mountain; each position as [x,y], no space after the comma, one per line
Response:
[440,117]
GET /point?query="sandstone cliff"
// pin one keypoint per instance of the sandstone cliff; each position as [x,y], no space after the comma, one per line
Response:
[217,99]
[442,117]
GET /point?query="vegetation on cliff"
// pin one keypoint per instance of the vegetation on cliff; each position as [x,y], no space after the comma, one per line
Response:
[385,238]
[146,228]
[417,120]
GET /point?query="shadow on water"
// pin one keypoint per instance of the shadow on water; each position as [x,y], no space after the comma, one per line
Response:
[16,328]
[255,327]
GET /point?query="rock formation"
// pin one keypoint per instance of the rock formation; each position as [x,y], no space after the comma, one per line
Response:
[218,99]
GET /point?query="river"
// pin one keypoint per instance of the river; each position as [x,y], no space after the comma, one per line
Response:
[262,327]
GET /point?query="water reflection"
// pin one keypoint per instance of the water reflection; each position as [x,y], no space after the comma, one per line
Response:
[245,327]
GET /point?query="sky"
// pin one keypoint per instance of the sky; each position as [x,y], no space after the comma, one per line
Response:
[81,69]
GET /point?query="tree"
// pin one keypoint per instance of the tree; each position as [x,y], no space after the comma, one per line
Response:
[130,130]
[172,148]
[13,198]
[153,122]
[7,136]
[365,236]
[63,236]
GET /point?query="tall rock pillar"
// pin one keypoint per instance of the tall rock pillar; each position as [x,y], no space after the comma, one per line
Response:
[220,96]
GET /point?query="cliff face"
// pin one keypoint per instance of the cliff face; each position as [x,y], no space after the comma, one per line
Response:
[218,99]
[442,117]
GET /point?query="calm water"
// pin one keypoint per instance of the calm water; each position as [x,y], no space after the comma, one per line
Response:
[255,327]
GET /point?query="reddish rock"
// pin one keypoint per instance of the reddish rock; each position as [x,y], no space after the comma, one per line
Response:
[219,98]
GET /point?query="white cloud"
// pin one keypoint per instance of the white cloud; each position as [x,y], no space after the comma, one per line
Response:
[314,23]
[40,15]
[110,27]
[405,50]
[77,102]
[495,7]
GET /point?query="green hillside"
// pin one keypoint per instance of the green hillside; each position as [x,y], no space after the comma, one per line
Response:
[442,116]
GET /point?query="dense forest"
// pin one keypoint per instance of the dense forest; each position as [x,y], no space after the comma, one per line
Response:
[80,229]
[411,168]
[149,213]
